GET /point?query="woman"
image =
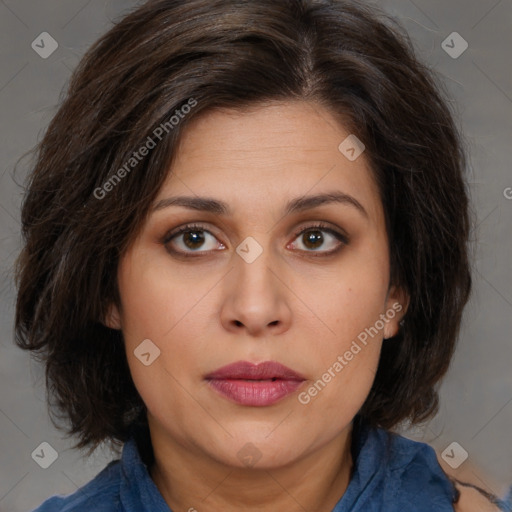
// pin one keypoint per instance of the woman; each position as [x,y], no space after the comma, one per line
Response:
[246,259]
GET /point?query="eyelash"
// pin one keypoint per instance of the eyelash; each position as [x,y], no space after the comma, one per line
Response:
[319,226]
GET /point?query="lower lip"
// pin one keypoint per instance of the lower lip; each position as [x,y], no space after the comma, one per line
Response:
[255,393]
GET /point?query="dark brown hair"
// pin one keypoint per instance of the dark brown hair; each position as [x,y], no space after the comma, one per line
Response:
[353,60]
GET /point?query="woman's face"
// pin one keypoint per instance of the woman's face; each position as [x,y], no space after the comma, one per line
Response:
[259,282]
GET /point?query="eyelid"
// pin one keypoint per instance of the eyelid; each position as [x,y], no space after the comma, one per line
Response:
[323,226]
[193,226]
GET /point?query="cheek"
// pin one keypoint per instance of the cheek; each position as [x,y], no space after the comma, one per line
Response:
[347,357]
[154,300]
[351,351]
[163,309]
[353,303]
[345,367]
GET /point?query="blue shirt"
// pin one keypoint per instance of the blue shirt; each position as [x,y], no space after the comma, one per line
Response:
[390,473]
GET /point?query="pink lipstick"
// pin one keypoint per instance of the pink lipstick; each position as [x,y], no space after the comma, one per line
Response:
[255,384]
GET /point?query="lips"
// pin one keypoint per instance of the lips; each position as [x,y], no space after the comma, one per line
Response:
[245,370]
[249,384]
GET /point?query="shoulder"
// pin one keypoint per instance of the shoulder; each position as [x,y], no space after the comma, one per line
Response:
[471,496]
[102,494]
[420,474]
[411,474]
[472,500]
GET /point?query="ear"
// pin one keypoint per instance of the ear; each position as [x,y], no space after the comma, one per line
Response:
[112,318]
[397,303]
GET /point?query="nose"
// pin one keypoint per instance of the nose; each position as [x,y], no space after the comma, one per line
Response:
[255,296]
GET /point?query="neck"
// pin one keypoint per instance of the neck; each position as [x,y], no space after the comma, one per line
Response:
[189,480]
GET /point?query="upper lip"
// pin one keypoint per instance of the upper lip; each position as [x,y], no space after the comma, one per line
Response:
[251,371]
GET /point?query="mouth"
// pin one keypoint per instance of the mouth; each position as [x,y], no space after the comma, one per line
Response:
[254,385]
[245,370]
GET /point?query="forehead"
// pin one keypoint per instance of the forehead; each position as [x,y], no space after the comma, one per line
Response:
[278,150]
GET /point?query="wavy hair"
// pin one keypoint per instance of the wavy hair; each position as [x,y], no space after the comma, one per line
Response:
[352,59]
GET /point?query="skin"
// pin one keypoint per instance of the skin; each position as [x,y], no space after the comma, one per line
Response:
[470,499]
[288,306]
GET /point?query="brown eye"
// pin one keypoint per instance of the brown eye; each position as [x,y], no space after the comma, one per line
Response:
[320,236]
[189,239]
[193,239]
[312,239]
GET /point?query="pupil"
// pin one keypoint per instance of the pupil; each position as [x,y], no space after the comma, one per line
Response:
[313,237]
[196,239]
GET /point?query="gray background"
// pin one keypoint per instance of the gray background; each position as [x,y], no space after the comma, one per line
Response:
[476,396]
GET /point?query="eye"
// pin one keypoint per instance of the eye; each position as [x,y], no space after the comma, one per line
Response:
[312,238]
[190,238]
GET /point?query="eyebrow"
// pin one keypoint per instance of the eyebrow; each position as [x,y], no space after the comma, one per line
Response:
[299,204]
